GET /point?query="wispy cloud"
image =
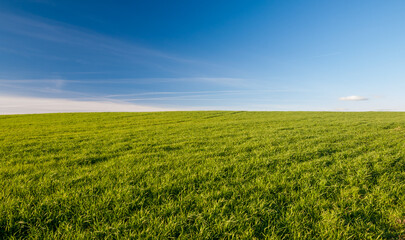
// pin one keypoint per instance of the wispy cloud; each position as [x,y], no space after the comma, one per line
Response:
[25,105]
[86,52]
[52,31]
[222,81]
[35,86]
[168,93]
[353,98]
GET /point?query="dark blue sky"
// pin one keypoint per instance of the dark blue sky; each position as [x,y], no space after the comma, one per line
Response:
[250,55]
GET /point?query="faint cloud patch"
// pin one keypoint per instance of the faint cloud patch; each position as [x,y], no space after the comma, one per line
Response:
[353,98]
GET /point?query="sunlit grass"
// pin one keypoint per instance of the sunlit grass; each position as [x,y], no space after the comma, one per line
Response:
[203,175]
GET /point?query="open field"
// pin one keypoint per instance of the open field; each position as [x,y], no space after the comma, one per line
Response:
[203,175]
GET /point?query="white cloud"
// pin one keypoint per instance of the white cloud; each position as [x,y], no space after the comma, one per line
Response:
[25,105]
[353,98]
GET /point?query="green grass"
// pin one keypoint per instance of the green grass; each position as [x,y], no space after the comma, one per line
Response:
[203,175]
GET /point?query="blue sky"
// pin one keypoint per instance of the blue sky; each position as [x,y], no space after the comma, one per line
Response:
[192,55]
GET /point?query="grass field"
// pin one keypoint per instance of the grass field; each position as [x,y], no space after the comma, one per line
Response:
[203,175]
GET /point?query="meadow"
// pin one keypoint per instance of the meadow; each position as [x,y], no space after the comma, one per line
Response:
[203,175]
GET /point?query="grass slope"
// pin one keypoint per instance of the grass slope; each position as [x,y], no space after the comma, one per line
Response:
[203,175]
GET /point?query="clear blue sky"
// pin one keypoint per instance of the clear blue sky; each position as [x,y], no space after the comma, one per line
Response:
[230,55]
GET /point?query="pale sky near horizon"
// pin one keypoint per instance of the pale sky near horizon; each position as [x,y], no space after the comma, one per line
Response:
[67,56]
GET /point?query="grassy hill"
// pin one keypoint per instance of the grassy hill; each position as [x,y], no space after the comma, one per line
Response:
[203,175]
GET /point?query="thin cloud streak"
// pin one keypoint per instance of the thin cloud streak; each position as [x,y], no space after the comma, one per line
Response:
[205,93]
[232,85]
[48,87]
[27,105]
[58,89]
[168,93]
